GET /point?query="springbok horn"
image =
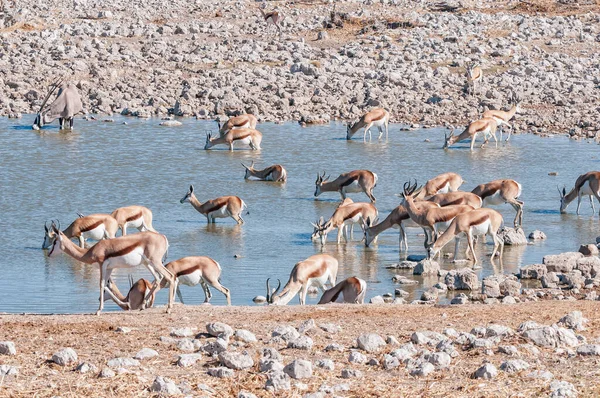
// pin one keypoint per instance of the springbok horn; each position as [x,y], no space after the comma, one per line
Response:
[268,291]
[47,228]
[277,289]
[80,215]
[559,191]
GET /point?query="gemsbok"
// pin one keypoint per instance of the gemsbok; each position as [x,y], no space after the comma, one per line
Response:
[247,120]
[64,108]
[246,136]
[486,126]
[130,251]
[94,226]
[351,182]
[316,270]
[378,117]
[138,217]
[194,270]
[474,223]
[498,192]
[352,290]
[474,76]
[587,184]
[274,173]
[443,183]
[504,117]
[221,207]
[431,219]
[135,297]
[343,217]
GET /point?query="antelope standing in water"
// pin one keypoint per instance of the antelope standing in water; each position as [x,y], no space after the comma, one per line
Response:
[486,126]
[64,108]
[352,290]
[139,217]
[503,117]
[191,271]
[345,215]
[351,182]
[498,192]
[135,298]
[222,207]
[94,226]
[443,183]
[247,120]
[250,137]
[474,76]
[474,223]
[587,184]
[145,248]
[274,173]
[316,270]
[379,118]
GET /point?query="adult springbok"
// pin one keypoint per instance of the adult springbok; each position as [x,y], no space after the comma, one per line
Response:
[457,198]
[272,18]
[504,117]
[247,120]
[474,223]
[221,207]
[378,117]
[136,296]
[443,183]
[587,184]
[250,137]
[498,192]
[94,226]
[474,76]
[138,217]
[191,271]
[315,270]
[145,248]
[351,182]
[274,173]
[486,126]
[345,215]
[352,290]
[431,219]
[64,108]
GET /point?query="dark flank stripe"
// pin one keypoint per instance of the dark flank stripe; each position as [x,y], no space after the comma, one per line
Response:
[349,181]
[480,220]
[188,271]
[351,215]
[134,217]
[92,226]
[458,201]
[220,202]
[318,272]
[123,251]
[446,216]
[241,137]
[483,191]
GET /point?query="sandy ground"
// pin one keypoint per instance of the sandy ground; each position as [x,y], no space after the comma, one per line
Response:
[96,341]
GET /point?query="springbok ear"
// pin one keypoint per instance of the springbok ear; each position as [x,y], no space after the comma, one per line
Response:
[564,191]
[191,189]
[314,225]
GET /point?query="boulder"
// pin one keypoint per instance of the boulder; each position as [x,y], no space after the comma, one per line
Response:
[64,357]
[500,285]
[588,250]
[551,336]
[512,237]
[218,329]
[164,386]
[370,342]
[550,280]
[537,235]
[573,320]
[564,262]
[533,271]
[426,267]
[299,369]
[236,360]
[462,279]
[589,266]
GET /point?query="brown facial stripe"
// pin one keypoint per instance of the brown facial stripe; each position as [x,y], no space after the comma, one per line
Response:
[352,214]
[349,181]
[480,220]
[92,226]
[134,217]
[220,202]
[124,251]
[188,271]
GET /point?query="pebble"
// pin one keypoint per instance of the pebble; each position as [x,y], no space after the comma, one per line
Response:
[122,362]
[326,364]
[146,353]
[107,373]
[351,373]
[187,360]
[220,372]
[182,332]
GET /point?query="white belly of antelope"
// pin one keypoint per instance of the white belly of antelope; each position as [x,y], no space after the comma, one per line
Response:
[480,229]
[444,189]
[191,279]
[219,213]
[95,234]
[353,187]
[318,281]
[442,226]
[134,223]
[495,199]
[242,126]
[379,123]
[586,190]
[129,260]
[245,141]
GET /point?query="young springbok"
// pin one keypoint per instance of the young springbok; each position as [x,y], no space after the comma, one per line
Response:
[378,117]
[351,182]
[250,137]
[221,207]
[474,76]
[486,126]
[135,297]
[352,289]
[345,215]
[274,173]
[315,270]
[587,184]
[94,226]
[498,192]
[139,217]
[247,120]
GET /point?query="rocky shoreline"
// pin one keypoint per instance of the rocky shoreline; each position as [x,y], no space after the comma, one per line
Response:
[213,58]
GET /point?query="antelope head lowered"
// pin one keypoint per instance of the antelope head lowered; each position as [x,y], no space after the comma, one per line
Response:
[66,105]
[272,292]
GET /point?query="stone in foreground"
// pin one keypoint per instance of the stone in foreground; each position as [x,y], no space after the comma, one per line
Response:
[370,342]
[64,357]
[299,369]
[164,386]
[487,371]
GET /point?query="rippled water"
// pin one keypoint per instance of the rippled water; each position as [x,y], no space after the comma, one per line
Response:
[102,166]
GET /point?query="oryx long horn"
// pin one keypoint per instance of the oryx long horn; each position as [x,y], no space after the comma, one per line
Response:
[53,88]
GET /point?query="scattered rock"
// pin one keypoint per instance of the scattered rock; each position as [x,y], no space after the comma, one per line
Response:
[64,357]
[299,369]
[423,370]
[236,360]
[357,357]
[561,388]
[533,271]
[123,329]
[487,371]
[164,386]
[573,320]
[326,364]
[377,300]
[107,373]
[182,332]
[330,328]
[220,372]
[171,123]
[564,262]
[427,267]
[286,333]
[588,250]
[589,350]
[351,374]
[301,343]
[146,353]
[122,363]
[306,326]
[186,360]
[514,365]
[86,367]
[269,365]
[219,329]
[370,342]
[245,335]
[7,348]
[390,362]
[278,381]
[462,279]
[512,237]
[7,370]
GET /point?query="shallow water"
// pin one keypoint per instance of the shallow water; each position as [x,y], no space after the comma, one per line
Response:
[102,166]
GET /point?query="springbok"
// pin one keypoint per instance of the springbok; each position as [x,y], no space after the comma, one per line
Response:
[250,137]
[221,207]
[474,223]
[66,105]
[247,120]
[145,248]
[94,226]
[503,117]
[135,297]
[274,173]
[457,198]
[345,215]
[139,217]
[351,182]
[191,271]
[474,76]
[431,219]
[378,117]
[272,18]
[315,270]
[587,184]
[498,192]
[353,290]
[443,183]
[486,126]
